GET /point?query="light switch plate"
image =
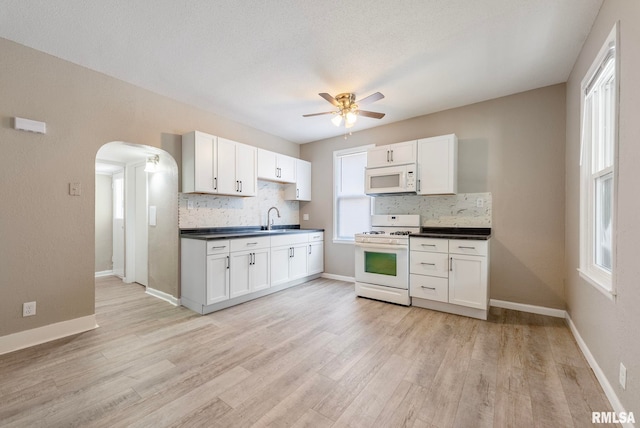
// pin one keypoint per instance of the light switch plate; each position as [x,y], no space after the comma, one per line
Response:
[305,216]
[75,189]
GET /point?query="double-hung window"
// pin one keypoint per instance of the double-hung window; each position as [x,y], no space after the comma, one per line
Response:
[598,168]
[351,207]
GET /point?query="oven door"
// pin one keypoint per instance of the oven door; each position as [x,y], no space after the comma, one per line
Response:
[382,264]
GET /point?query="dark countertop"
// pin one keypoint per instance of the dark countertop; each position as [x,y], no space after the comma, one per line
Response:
[242,232]
[477,233]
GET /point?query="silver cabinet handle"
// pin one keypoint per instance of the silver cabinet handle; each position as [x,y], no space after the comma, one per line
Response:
[252,243]
[467,248]
[428,264]
[309,249]
[451,263]
[228,262]
[297,193]
[215,183]
[391,155]
[387,155]
[419,185]
[428,245]
[240,185]
[428,288]
[219,248]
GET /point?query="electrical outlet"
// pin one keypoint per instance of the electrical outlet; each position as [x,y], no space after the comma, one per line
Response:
[479,203]
[189,204]
[28,309]
[623,376]
[75,189]
[305,216]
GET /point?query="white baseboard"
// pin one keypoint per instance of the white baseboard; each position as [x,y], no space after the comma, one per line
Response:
[47,333]
[164,296]
[604,382]
[338,277]
[540,310]
[104,273]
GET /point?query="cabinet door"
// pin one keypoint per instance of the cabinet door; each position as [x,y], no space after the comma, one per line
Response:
[280,265]
[267,165]
[240,275]
[378,156]
[198,166]
[217,278]
[226,166]
[468,281]
[298,262]
[402,153]
[287,169]
[246,169]
[301,190]
[315,262]
[437,165]
[260,270]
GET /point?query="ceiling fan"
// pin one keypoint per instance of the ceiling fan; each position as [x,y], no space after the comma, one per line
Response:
[347,109]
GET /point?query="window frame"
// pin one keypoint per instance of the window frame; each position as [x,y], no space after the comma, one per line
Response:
[594,274]
[337,154]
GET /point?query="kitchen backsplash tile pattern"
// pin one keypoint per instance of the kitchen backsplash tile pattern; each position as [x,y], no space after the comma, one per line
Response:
[227,211]
[459,210]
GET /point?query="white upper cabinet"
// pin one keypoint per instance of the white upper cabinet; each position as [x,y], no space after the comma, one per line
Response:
[392,154]
[276,167]
[438,165]
[216,165]
[198,166]
[301,189]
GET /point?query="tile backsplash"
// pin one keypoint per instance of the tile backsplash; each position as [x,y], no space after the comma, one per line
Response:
[459,210]
[227,211]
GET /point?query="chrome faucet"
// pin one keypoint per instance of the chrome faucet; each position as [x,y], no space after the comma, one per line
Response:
[268,217]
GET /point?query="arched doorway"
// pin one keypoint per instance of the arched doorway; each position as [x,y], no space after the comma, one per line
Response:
[136,217]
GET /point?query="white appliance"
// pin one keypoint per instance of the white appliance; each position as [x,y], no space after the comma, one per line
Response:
[382,258]
[396,180]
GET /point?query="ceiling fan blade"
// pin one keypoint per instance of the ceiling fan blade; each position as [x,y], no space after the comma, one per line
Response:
[371,98]
[329,98]
[373,114]
[317,114]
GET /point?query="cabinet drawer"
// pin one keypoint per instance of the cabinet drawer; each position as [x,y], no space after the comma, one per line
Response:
[316,236]
[429,244]
[217,247]
[289,239]
[435,264]
[468,246]
[253,243]
[429,287]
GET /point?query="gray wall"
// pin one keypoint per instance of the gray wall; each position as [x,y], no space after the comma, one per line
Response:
[45,227]
[512,147]
[104,223]
[609,328]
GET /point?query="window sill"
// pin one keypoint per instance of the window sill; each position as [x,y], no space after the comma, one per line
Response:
[343,241]
[610,294]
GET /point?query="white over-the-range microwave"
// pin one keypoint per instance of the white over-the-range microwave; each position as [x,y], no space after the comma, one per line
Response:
[391,180]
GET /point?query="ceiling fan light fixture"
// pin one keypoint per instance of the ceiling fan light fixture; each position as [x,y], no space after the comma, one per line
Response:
[350,119]
[336,119]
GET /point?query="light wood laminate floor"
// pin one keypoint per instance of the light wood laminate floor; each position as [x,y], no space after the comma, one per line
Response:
[311,356]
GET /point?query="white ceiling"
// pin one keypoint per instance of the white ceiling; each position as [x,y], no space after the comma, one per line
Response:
[263,63]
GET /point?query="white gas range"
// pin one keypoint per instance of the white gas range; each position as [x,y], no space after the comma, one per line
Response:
[382,258]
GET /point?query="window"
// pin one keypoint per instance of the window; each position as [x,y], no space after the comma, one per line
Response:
[351,207]
[597,169]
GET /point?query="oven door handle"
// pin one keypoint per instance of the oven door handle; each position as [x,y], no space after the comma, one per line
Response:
[366,245]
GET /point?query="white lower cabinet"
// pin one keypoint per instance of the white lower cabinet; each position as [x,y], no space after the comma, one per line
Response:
[217,278]
[450,275]
[315,258]
[288,258]
[249,260]
[216,274]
